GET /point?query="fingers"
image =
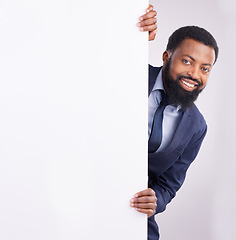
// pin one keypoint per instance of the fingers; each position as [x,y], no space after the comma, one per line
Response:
[149,212]
[152,35]
[148,15]
[145,202]
[144,199]
[146,192]
[150,8]
[147,22]
[148,208]
[144,205]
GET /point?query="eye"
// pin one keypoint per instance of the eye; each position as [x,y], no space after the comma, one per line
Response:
[185,61]
[205,69]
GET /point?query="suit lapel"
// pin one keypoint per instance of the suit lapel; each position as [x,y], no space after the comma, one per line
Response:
[160,161]
[183,131]
[182,134]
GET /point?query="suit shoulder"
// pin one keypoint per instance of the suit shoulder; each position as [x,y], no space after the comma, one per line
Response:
[152,75]
[153,69]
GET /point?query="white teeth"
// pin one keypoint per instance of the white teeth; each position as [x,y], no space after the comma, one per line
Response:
[188,84]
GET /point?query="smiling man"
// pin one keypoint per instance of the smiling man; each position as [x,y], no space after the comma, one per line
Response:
[176,128]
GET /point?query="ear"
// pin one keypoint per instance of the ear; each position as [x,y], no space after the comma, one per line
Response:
[165,57]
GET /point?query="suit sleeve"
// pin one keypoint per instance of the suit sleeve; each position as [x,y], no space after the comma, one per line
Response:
[168,183]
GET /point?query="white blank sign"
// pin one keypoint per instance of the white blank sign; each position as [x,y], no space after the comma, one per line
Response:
[73,125]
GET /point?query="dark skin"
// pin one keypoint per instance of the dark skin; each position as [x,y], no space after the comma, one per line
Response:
[147,22]
[191,59]
[145,202]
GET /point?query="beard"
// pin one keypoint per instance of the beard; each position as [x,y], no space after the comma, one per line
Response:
[177,96]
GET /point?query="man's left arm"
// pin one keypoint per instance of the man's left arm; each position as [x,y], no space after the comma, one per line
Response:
[164,185]
[169,182]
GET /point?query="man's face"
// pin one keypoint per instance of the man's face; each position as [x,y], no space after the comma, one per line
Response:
[186,71]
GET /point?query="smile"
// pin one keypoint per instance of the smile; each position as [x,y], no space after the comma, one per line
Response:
[188,84]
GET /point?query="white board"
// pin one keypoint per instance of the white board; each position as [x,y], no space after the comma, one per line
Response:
[73,125]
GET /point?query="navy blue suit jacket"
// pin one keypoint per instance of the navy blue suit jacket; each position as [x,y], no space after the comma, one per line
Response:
[167,168]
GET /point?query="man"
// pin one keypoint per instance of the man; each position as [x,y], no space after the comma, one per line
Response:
[176,127]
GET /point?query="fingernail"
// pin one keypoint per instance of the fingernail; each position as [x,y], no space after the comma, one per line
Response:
[149,9]
[141,29]
[141,18]
[136,195]
[132,200]
[139,24]
[132,205]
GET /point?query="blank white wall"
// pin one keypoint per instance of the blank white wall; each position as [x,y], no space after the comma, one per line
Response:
[204,208]
[73,125]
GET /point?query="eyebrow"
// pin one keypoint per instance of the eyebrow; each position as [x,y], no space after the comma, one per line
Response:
[205,64]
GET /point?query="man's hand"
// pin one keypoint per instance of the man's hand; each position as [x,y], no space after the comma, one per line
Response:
[148,22]
[145,202]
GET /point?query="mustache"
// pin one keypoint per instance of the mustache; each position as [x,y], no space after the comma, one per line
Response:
[193,79]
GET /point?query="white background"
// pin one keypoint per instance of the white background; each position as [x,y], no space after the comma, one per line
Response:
[73,125]
[205,206]
[49,184]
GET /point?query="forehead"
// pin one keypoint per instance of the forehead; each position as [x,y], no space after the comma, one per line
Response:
[197,50]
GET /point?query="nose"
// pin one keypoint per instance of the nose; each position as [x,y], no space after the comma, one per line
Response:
[194,72]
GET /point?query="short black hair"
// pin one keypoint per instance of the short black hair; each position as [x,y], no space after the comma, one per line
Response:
[192,32]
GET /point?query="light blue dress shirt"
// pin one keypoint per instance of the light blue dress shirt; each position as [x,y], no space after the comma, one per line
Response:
[171,116]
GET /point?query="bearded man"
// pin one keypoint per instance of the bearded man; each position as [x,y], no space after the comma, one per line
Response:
[176,128]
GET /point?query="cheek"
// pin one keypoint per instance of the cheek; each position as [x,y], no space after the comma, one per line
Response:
[204,81]
[177,69]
